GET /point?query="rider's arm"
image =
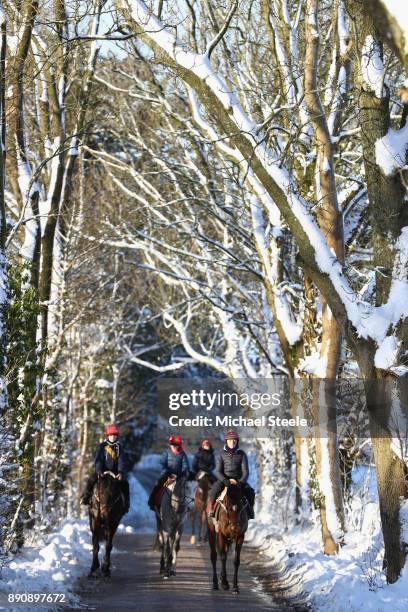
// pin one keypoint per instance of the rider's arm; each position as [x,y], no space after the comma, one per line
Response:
[99,460]
[244,468]
[219,470]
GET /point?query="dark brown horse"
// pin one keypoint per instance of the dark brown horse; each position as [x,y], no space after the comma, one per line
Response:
[105,511]
[232,525]
[204,483]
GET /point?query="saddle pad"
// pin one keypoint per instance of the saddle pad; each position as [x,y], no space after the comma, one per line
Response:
[158,496]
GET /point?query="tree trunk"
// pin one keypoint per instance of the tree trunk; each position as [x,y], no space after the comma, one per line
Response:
[386,420]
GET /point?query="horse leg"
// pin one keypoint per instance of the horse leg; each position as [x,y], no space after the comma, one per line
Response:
[160,536]
[213,546]
[193,520]
[95,544]
[223,549]
[108,548]
[237,559]
[175,549]
[166,556]
[203,526]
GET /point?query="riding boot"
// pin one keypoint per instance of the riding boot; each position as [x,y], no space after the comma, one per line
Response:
[212,496]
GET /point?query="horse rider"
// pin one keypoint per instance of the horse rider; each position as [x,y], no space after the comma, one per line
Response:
[174,461]
[231,468]
[204,460]
[109,458]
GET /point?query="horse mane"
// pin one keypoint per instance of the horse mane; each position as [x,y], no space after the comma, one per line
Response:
[108,486]
[234,492]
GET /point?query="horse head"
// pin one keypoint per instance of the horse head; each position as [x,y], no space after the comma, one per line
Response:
[235,510]
[178,497]
[109,492]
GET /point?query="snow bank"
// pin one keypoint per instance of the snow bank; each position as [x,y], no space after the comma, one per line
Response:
[50,566]
[351,581]
[53,564]
[140,519]
[149,462]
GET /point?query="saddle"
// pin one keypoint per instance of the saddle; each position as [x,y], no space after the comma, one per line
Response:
[168,484]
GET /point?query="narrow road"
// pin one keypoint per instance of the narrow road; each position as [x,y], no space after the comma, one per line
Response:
[136,585]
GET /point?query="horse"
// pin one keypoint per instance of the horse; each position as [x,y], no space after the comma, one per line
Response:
[105,511]
[170,517]
[232,524]
[205,482]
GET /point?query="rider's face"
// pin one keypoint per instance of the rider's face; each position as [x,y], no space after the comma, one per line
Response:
[206,446]
[231,443]
[112,438]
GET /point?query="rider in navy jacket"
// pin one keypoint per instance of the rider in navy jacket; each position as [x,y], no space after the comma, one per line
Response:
[204,460]
[109,457]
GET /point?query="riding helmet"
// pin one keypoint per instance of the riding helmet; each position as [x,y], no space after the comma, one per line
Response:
[231,435]
[112,430]
[176,440]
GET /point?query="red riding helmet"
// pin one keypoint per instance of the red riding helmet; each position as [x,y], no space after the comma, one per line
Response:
[231,435]
[176,440]
[112,430]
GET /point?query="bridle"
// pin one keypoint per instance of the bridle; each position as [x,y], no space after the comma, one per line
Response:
[180,501]
[243,502]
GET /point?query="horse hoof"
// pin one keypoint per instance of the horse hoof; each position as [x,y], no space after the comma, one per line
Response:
[215,587]
[235,590]
[192,540]
[91,575]
[224,586]
[173,572]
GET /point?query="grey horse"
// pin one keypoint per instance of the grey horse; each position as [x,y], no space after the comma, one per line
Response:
[170,518]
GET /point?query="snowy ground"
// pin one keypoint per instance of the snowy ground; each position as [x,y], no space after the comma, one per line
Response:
[351,581]
[53,564]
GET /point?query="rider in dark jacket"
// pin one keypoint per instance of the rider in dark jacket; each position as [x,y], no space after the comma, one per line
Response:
[109,458]
[232,467]
[204,459]
[173,461]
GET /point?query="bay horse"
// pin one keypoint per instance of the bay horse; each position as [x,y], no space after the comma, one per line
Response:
[170,516]
[105,512]
[232,524]
[204,483]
